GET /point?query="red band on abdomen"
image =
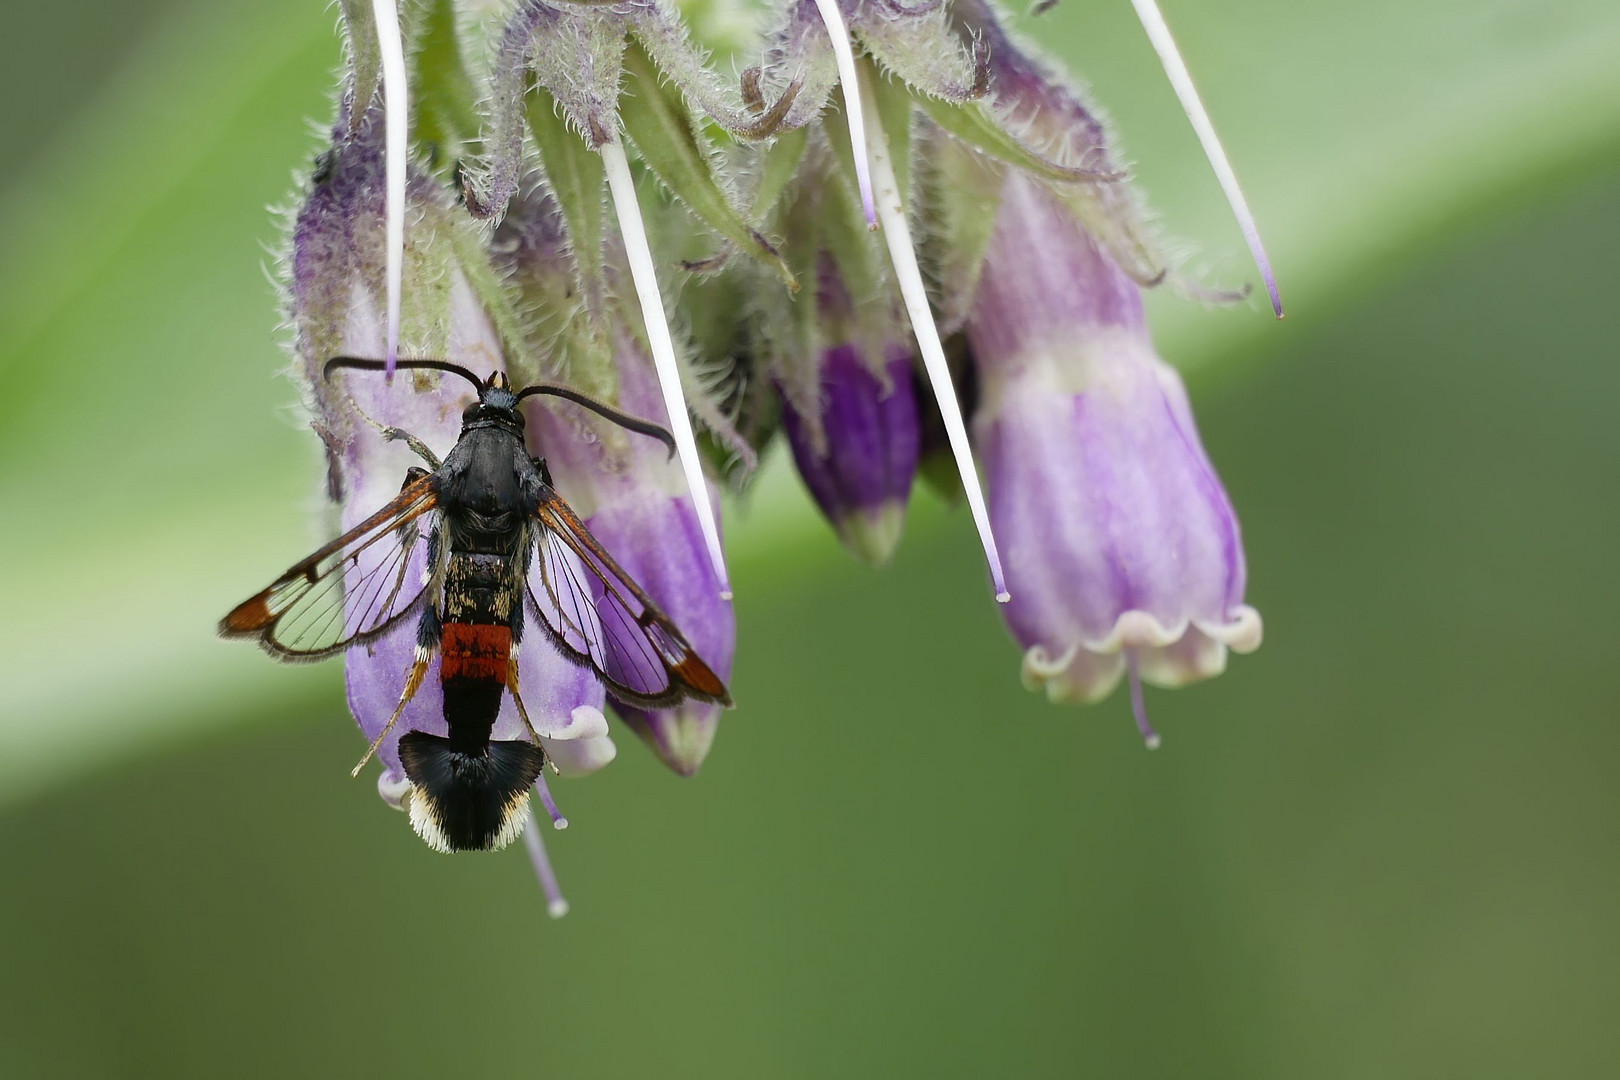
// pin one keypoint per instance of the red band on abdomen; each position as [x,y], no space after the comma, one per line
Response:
[470,651]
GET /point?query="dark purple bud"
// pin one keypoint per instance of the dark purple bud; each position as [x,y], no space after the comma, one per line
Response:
[860,455]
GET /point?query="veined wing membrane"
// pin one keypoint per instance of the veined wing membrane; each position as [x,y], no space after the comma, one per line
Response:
[599,617]
[349,591]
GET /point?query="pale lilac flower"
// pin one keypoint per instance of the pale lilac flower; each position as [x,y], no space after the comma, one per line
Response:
[1124,553]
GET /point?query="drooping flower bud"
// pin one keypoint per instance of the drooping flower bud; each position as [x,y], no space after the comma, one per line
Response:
[1124,554]
[851,415]
[337,298]
[861,469]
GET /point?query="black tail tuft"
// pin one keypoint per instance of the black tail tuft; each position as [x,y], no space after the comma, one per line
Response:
[463,801]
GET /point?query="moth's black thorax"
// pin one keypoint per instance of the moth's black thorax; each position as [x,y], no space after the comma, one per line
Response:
[488,488]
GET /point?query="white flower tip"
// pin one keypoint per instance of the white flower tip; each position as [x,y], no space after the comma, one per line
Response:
[559,823]
[914,294]
[396,103]
[1003,596]
[844,57]
[584,722]
[644,275]
[725,593]
[1152,741]
[557,908]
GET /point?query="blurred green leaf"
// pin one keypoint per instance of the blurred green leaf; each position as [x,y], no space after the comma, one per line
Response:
[158,472]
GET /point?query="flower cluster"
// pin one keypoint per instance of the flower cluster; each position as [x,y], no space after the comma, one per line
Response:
[570,192]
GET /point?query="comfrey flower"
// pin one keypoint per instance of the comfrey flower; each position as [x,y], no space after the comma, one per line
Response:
[1124,554]
[814,45]
[337,290]
[559,76]
[631,495]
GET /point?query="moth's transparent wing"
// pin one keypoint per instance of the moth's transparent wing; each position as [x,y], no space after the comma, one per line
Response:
[599,617]
[351,590]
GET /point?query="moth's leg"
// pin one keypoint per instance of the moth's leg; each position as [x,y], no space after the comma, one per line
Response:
[545,473]
[427,643]
[517,699]
[394,434]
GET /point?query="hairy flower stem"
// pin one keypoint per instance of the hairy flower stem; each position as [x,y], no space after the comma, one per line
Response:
[556,904]
[854,116]
[642,271]
[897,234]
[396,105]
[1175,69]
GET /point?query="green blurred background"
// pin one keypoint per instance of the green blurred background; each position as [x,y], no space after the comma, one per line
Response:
[1383,846]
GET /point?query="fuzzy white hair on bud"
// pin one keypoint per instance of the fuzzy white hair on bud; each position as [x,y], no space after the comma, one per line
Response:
[644,274]
[396,106]
[897,234]
[1175,69]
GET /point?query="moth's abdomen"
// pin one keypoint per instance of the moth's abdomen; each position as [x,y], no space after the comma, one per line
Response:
[475,651]
[479,589]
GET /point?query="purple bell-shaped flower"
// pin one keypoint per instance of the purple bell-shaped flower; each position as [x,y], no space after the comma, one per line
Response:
[1123,552]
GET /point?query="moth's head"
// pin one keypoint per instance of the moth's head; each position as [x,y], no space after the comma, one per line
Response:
[496,404]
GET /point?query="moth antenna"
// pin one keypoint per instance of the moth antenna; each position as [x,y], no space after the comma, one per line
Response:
[604,410]
[359,364]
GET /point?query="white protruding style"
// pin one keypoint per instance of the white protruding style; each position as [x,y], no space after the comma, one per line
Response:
[396,112]
[1144,726]
[556,906]
[854,115]
[897,234]
[558,821]
[1158,33]
[642,271]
